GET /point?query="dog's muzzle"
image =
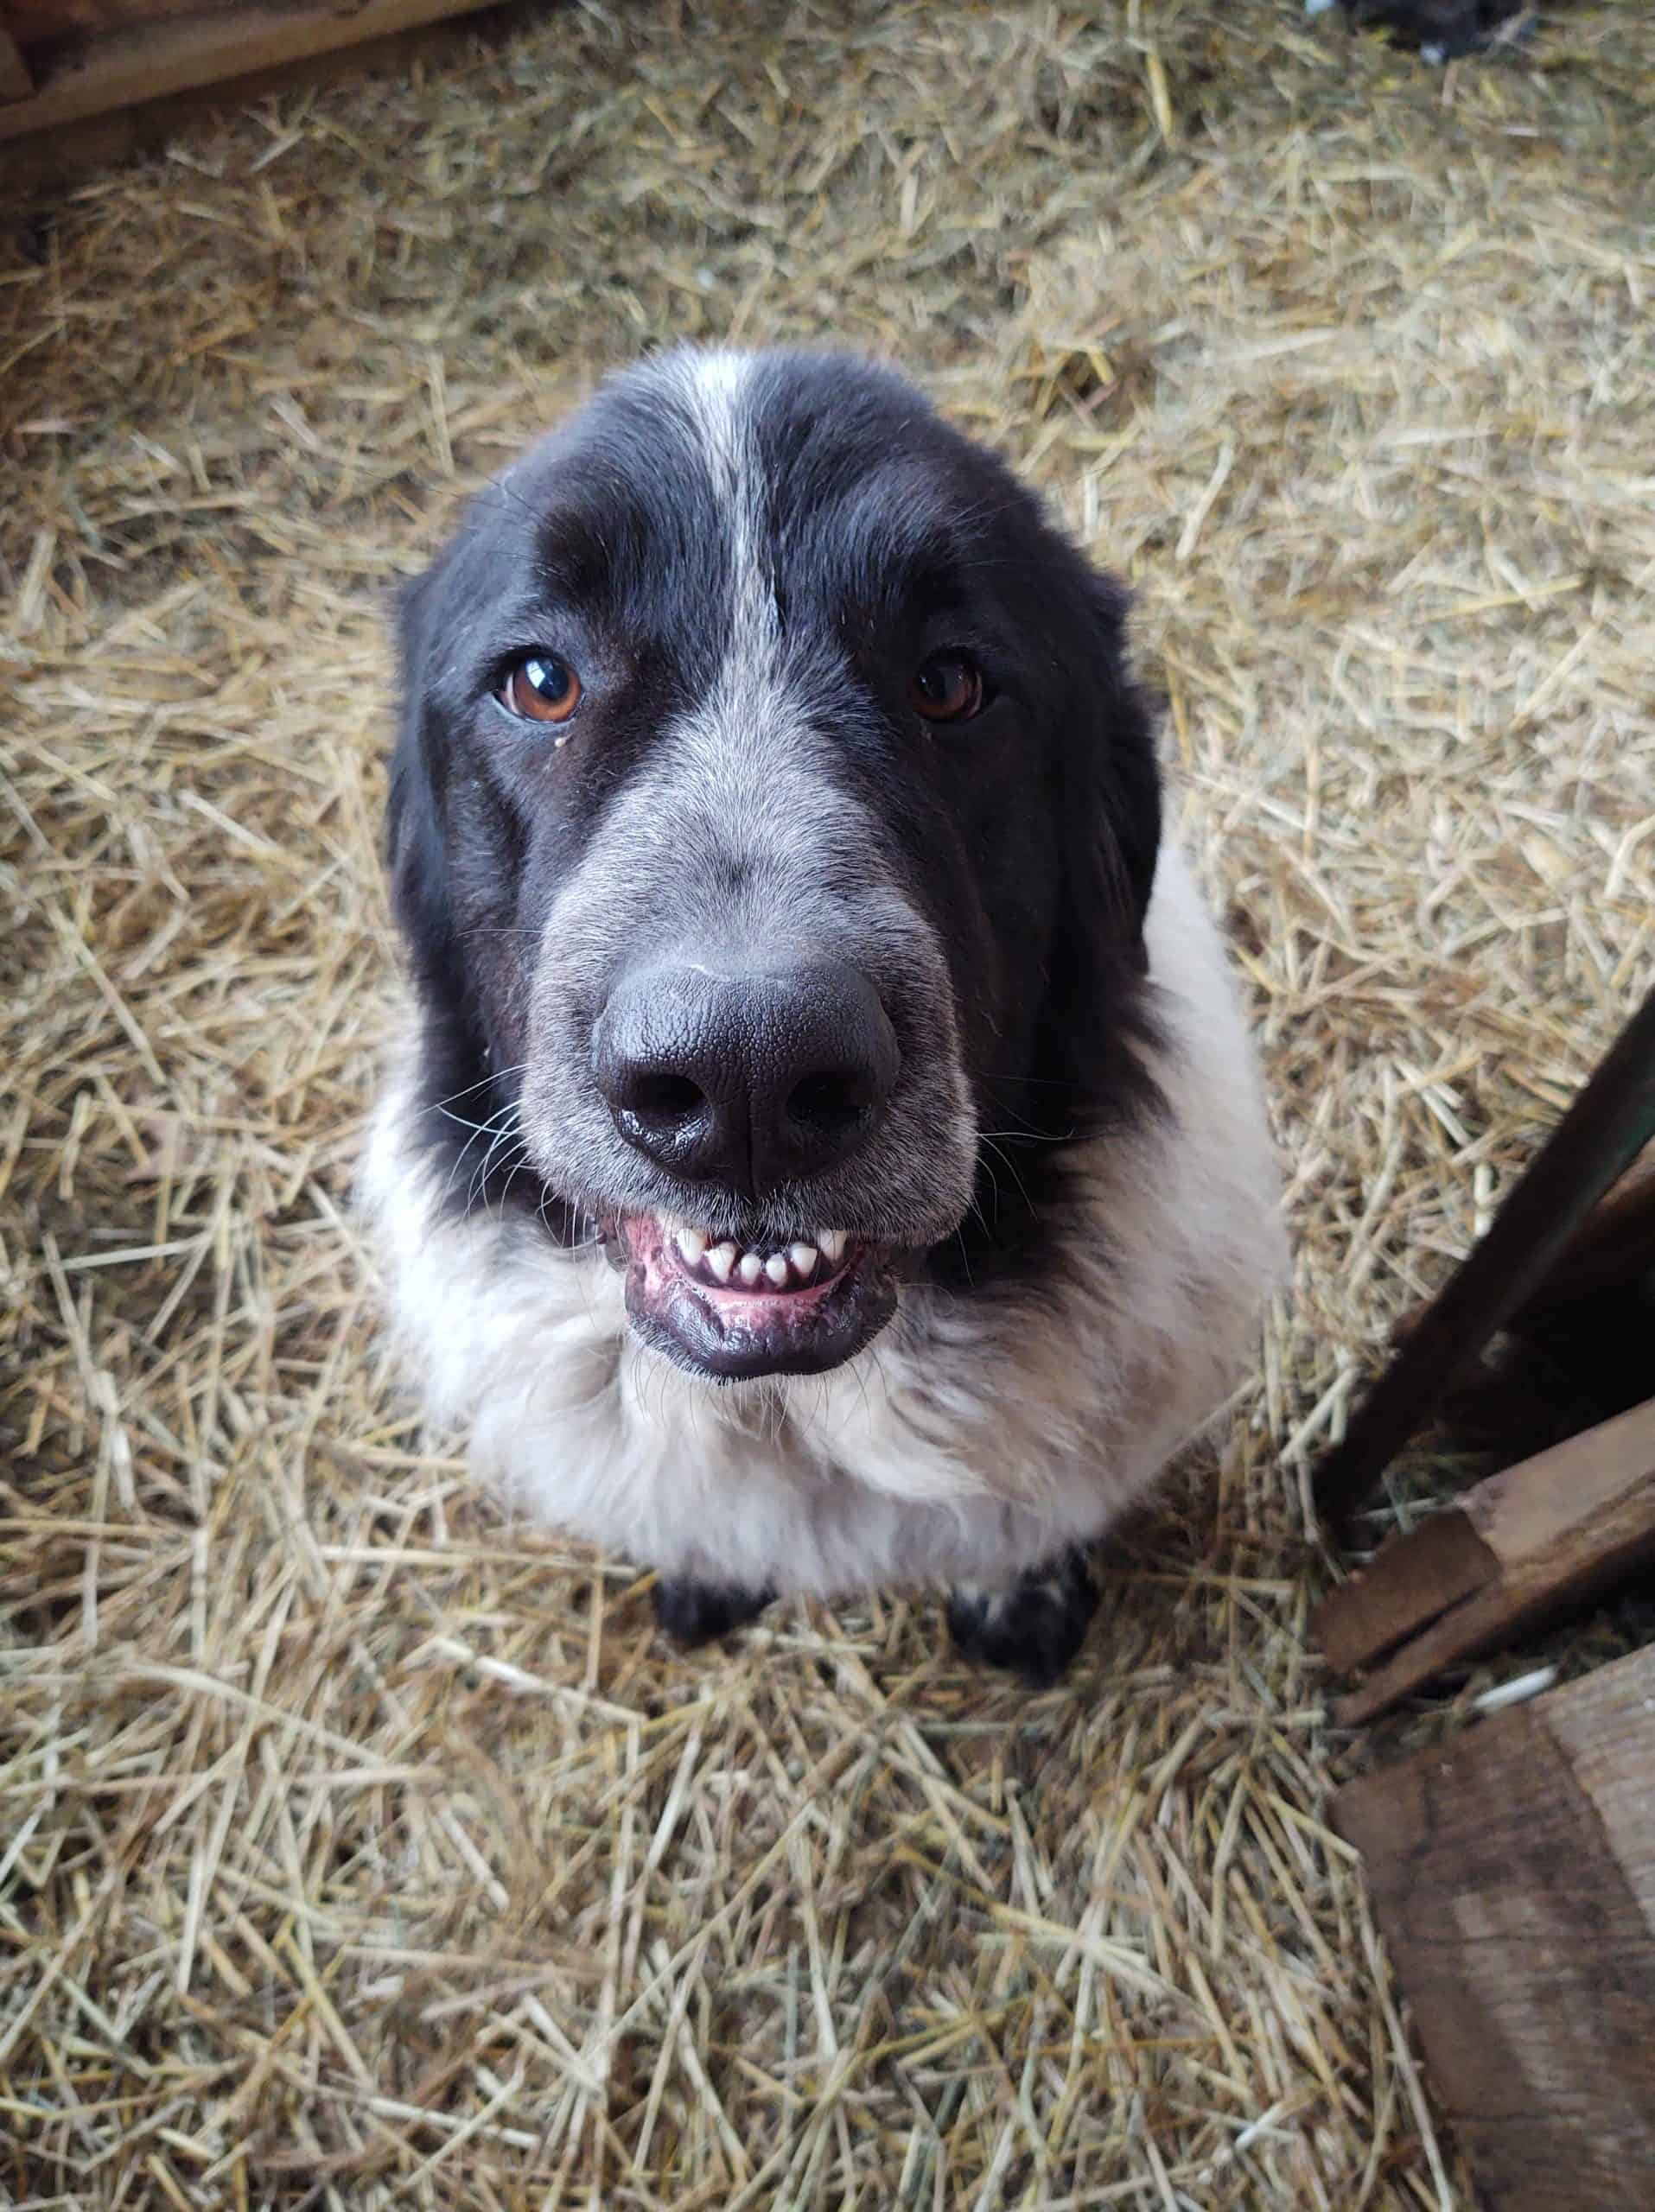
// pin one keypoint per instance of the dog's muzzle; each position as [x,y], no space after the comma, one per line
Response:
[750,1078]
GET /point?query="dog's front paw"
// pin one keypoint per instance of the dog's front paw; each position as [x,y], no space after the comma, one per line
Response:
[700,1612]
[1035,1625]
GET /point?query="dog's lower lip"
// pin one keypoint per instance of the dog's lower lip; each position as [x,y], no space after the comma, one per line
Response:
[726,1310]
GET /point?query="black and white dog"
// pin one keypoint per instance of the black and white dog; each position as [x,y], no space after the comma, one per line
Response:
[828,1151]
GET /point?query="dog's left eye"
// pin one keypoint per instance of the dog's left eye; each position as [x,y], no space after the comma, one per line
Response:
[947,688]
[540,689]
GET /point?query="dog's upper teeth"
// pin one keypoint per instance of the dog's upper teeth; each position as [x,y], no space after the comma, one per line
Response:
[721,1260]
[750,1268]
[833,1241]
[691,1243]
[803,1257]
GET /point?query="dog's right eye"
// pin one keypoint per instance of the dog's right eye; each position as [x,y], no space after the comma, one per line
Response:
[948,687]
[540,688]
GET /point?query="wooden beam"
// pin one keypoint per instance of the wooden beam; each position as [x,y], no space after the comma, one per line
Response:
[182,54]
[1616,1245]
[1511,1873]
[1525,1544]
[1598,1139]
[15,82]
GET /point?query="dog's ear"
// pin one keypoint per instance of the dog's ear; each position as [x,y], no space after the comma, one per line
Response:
[416,847]
[1115,794]
[1109,794]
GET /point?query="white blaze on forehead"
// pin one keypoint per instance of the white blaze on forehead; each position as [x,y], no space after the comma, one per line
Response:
[744,748]
[715,389]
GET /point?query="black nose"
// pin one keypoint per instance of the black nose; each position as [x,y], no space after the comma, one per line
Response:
[742,1077]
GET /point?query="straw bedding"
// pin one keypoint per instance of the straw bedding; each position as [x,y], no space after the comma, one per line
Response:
[358,1846]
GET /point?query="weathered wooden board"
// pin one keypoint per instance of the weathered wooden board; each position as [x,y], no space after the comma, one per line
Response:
[1513,1875]
[1525,1544]
[136,62]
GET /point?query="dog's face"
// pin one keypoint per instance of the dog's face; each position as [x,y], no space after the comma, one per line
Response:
[771,828]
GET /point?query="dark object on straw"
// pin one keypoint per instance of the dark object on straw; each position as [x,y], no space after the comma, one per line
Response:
[1440,29]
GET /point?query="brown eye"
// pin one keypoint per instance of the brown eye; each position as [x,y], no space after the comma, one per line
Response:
[947,688]
[541,688]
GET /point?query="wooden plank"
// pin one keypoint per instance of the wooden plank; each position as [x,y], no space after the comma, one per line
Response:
[1411,1582]
[15,82]
[1524,1545]
[1511,1873]
[151,61]
[1598,1139]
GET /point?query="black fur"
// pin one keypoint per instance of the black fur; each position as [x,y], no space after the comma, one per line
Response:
[696,1612]
[1034,1629]
[1444,28]
[1029,840]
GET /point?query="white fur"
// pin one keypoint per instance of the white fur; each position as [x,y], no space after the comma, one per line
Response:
[712,389]
[973,1439]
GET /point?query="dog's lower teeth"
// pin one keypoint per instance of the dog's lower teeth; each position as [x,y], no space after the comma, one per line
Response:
[721,1260]
[803,1259]
[750,1267]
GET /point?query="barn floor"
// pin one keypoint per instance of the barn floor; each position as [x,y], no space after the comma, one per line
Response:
[357,1846]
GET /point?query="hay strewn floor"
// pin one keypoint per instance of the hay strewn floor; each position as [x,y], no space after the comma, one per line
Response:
[357,1847]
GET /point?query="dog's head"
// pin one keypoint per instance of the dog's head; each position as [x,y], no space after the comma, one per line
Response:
[771,827]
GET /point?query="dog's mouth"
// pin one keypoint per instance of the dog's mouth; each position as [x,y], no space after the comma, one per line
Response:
[732,1311]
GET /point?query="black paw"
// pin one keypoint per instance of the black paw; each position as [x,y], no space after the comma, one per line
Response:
[1034,1626]
[700,1612]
